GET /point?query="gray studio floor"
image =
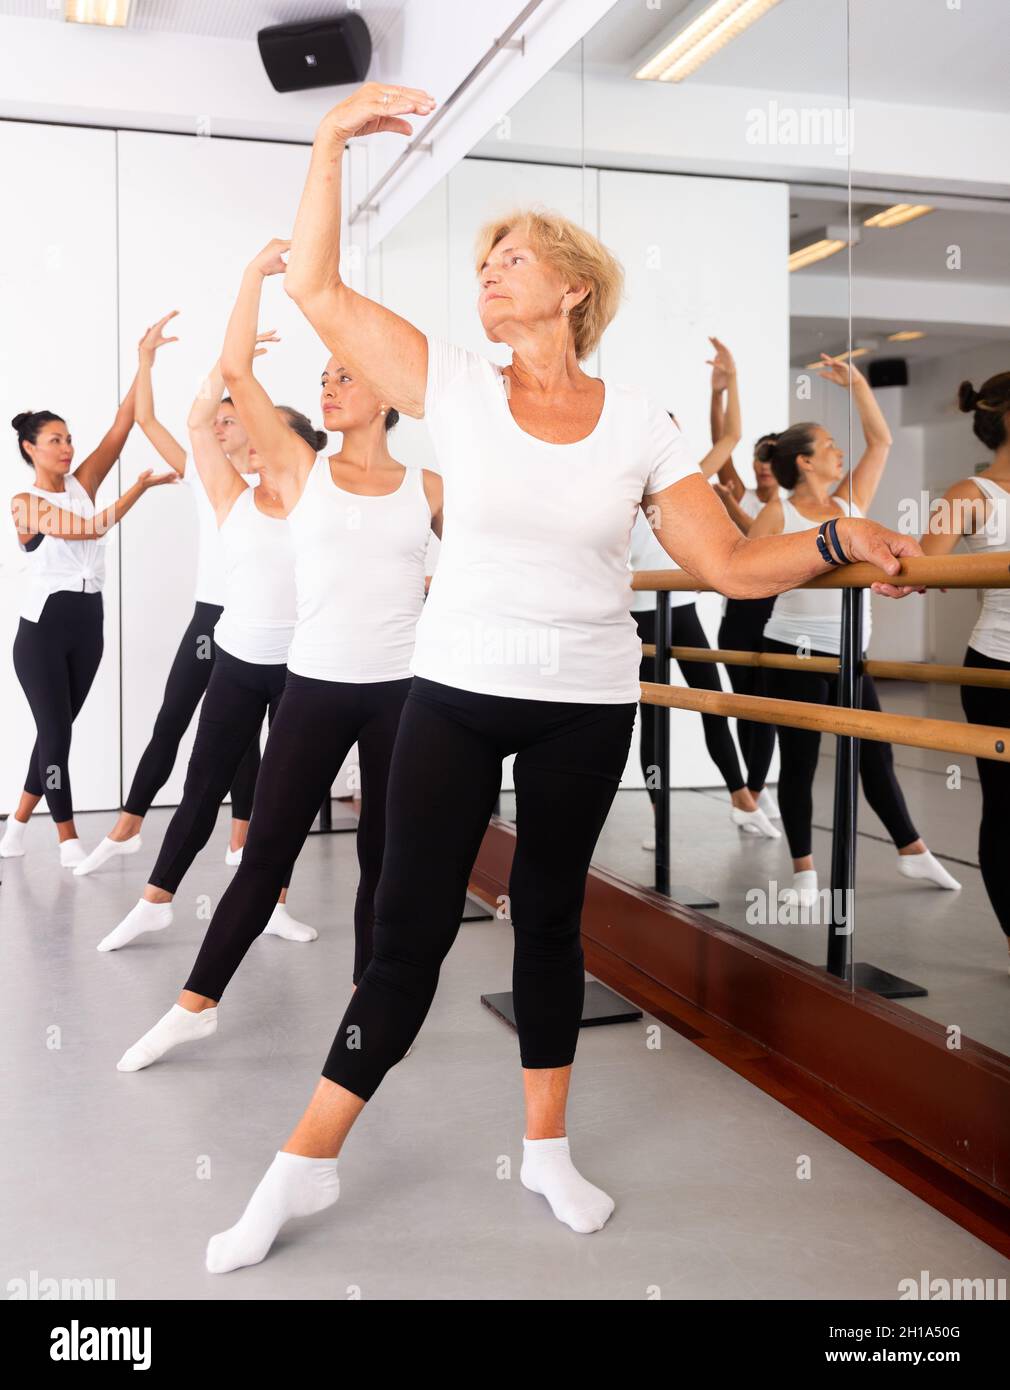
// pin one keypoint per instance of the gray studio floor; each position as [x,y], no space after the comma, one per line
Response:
[123,1177]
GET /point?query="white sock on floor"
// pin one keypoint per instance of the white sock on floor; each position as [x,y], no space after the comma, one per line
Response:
[107,849]
[926,866]
[755,823]
[179,1025]
[13,843]
[548,1169]
[72,853]
[283,924]
[292,1186]
[804,889]
[769,803]
[232,857]
[142,918]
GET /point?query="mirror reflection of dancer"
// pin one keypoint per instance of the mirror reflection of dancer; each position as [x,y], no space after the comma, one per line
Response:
[360,524]
[59,641]
[252,640]
[978,508]
[811,468]
[686,629]
[544,470]
[194,658]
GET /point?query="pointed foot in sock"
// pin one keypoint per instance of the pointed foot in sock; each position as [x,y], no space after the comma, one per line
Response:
[755,823]
[104,851]
[927,867]
[232,857]
[72,853]
[292,1186]
[284,925]
[12,845]
[179,1025]
[548,1169]
[144,917]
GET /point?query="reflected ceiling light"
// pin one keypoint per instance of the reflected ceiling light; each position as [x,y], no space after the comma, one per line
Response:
[897,215]
[908,335]
[113,13]
[840,356]
[719,22]
[816,251]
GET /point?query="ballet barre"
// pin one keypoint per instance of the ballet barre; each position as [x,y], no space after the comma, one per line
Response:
[924,671]
[986,571]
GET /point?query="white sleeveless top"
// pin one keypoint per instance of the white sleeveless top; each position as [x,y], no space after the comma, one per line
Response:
[750,503]
[991,634]
[55,564]
[812,617]
[259,574]
[359,576]
[210,583]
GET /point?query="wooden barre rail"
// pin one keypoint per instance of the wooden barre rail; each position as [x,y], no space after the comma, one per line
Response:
[828,665]
[990,571]
[941,735]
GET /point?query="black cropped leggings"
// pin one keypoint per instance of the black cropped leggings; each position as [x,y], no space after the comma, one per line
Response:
[984,706]
[741,630]
[187,681]
[56,661]
[316,725]
[239,694]
[445,776]
[798,750]
[700,675]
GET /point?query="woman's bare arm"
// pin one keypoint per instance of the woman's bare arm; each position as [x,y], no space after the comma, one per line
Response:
[865,477]
[91,474]
[381,346]
[962,502]
[34,516]
[729,437]
[162,439]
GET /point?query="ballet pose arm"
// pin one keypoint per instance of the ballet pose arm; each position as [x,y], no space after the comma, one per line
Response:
[727,437]
[35,516]
[91,474]
[163,440]
[222,481]
[385,349]
[728,476]
[869,470]
[729,501]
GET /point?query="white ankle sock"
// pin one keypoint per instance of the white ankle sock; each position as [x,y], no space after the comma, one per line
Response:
[144,917]
[548,1169]
[283,924]
[12,846]
[755,823]
[72,853]
[179,1025]
[926,866]
[292,1186]
[769,803]
[804,888]
[232,857]
[107,849]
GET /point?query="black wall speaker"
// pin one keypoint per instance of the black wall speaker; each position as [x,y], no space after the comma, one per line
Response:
[888,371]
[320,53]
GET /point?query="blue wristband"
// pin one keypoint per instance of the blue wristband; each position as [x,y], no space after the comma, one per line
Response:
[835,542]
[822,546]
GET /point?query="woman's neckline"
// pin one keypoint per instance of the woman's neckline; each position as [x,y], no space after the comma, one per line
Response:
[503,381]
[373,496]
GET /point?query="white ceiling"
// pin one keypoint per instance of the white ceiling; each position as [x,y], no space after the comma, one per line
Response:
[222,19]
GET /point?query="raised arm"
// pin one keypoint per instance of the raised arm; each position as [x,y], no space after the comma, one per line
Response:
[728,475]
[166,444]
[91,474]
[698,535]
[728,438]
[385,349]
[221,479]
[869,470]
[35,516]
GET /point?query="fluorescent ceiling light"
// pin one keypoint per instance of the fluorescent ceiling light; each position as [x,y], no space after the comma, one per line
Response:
[908,335]
[898,214]
[817,251]
[719,22]
[840,356]
[108,12]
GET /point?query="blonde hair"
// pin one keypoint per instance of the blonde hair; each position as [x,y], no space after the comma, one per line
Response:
[577,255]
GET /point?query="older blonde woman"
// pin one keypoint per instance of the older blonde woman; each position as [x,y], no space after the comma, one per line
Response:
[526,646]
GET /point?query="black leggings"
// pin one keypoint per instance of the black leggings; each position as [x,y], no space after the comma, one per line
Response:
[239,693]
[187,681]
[56,660]
[741,630]
[445,776]
[798,749]
[984,706]
[700,675]
[316,725]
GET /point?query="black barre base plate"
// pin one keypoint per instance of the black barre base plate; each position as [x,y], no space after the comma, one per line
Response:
[601,1006]
[885,984]
[690,897]
[476,910]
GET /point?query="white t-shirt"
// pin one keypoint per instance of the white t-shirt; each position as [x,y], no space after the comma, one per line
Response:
[991,634]
[532,597]
[812,617]
[53,564]
[647,553]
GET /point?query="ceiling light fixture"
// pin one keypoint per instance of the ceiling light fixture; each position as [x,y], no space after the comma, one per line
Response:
[109,13]
[816,251]
[718,23]
[908,335]
[897,215]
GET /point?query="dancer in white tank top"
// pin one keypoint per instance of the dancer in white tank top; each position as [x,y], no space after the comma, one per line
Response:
[977,511]
[811,467]
[194,658]
[59,642]
[359,523]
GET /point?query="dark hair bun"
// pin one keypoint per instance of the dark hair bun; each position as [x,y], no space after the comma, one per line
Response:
[765,451]
[19,420]
[392,416]
[967,397]
[322,439]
